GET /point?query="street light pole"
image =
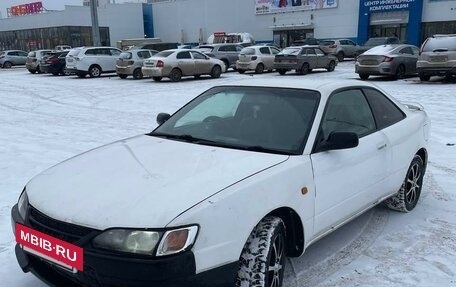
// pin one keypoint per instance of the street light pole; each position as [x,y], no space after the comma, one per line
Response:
[95,26]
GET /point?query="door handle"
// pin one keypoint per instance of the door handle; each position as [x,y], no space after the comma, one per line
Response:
[381,146]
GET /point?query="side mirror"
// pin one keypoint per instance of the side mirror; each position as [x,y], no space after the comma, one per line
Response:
[162,117]
[339,140]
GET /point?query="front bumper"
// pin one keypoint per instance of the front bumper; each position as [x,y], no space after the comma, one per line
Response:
[106,269]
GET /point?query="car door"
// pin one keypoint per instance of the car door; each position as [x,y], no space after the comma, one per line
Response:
[322,58]
[22,58]
[408,59]
[202,64]
[112,60]
[310,57]
[266,57]
[13,57]
[185,63]
[348,180]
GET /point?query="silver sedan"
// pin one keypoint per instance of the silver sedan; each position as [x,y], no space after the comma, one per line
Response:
[396,60]
[177,63]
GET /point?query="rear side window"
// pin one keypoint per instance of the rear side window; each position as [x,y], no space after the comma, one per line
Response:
[144,54]
[406,50]
[248,51]
[91,52]
[183,55]
[74,52]
[264,50]
[328,43]
[385,112]
[13,53]
[445,43]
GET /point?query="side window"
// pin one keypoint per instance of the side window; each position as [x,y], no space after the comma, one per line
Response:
[22,54]
[319,52]
[144,54]
[344,42]
[264,50]
[13,53]
[231,48]
[275,51]
[415,51]
[351,43]
[223,49]
[91,52]
[114,52]
[386,113]
[406,50]
[183,55]
[348,111]
[198,56]
[310,51]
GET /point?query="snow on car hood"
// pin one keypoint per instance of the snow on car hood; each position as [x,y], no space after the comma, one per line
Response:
[140,182]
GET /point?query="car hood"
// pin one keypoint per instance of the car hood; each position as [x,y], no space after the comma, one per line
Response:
[140,182]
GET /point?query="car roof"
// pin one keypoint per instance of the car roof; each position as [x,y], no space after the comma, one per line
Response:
[306,46]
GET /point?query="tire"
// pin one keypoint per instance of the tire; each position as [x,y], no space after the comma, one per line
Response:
[409,193]
[65,72]
[94,71]
[81,74]
[32,71]
[281,71]
[241,71]
[157,79]
[122,76]
[55,74]
[304,69]
[331,67]
[227,64]
[424,78]
[216,72]
[38,70]
[340,56]
[364,76]
[259,69]
[400,72]
[137,74]
[175,75]
[7,65]
[196,76]
[262,260]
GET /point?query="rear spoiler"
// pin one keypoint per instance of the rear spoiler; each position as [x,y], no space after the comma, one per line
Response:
[413,106]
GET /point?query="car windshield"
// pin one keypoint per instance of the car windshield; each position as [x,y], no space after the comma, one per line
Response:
[375,41]
[74,52]
[163,54]
[263,119]
[248,51]
[125,55]
[290,51]
[443,43]
[380,50]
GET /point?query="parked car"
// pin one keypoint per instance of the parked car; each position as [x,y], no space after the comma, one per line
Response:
[177,63]
[437,57]
[376,41]
[221,191]
[397,61]
[62,48]
[11,58]
[303,59]
[130,63]
[159,46]
[228,53]
[33,60]
[341,48]
[55,64]
[256,58]
[93,61]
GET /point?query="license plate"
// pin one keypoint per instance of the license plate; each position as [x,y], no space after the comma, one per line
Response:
[50,248]
[370,62]
[438,58]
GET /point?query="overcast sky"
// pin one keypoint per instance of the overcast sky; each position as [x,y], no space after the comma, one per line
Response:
[48,4]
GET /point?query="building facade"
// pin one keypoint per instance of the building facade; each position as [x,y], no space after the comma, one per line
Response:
[72,26]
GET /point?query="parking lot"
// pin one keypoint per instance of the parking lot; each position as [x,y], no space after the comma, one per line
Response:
[46,119]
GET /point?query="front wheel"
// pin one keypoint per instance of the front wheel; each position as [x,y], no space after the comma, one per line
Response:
[364,76]
[175,75]
[94,71]
[340,56]
[304,69]
[32,71]
[7,65]
[281,71]
[409,193]
[332,66]
[216,72]
[262,260]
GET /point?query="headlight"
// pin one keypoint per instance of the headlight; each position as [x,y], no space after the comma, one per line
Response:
[133,241]
[22,204]
[177,240]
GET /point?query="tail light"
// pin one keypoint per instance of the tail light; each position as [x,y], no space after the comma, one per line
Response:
[388,59]
[254,58]
[160,64]
[1,57]
[333,46]
[130,62]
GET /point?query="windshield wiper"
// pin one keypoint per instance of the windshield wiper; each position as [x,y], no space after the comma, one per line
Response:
[185,137]
[263,149]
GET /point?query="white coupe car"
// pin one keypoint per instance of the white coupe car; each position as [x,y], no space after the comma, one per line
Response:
[221,191]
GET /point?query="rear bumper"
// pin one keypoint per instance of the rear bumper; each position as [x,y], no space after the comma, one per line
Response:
[114,270]
[285,66]
[153,72]
[434,71]
[374,70]
[125,70]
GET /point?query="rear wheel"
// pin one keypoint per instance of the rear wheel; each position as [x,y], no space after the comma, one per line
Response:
[94,71]
[241,71]
[32,71]
[304,69]
[157,79]
[340,56]
[400,72]
[216,71]
[66,72]
[81,74]
[364,76]
[281,71]
[259,68]
[332,66]
[424,78]
[409,193]
[55,73]
[122,76]
[7,65]
[262,260]
[137,74]
[175,75]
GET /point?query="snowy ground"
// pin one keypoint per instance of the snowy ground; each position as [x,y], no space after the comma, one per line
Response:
[45,119]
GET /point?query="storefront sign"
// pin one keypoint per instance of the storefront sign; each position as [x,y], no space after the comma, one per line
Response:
[387,5]
[279,6]
[26,9]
